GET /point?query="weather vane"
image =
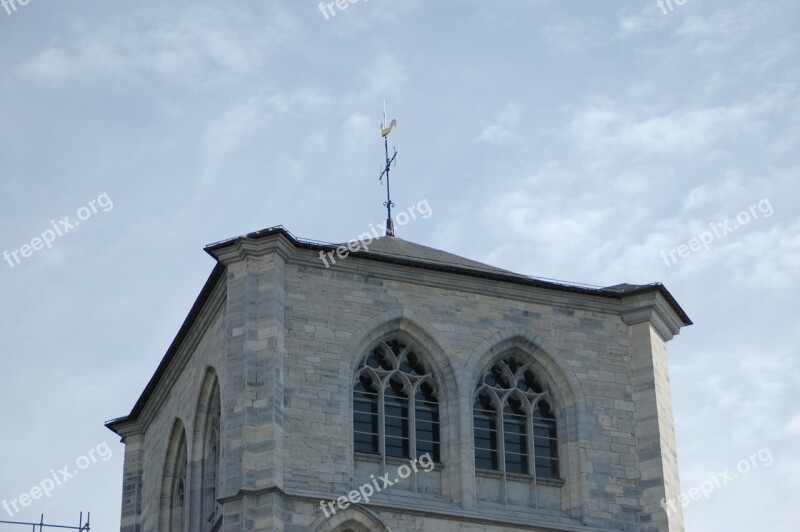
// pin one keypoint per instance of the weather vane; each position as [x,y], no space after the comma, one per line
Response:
[385,130]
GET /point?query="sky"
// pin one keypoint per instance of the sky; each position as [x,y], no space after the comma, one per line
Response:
[594,142]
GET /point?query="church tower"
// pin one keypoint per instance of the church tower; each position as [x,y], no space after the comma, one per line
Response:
[392,386]
[383,385]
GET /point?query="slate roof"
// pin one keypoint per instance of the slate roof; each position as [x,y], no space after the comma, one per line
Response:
[394,247]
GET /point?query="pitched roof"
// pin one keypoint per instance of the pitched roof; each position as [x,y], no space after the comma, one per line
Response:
[394,247]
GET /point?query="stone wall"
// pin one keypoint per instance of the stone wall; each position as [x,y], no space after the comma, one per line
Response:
[287,337]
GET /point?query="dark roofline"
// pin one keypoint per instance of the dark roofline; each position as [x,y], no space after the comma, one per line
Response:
[613,292]
[190,320]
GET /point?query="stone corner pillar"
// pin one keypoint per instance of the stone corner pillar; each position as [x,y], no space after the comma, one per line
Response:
[132,474]
[652,322]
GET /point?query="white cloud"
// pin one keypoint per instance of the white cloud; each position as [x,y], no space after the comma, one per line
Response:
[500,132]
[203,45]
[732,189]
[359,130]
[51,64]
[721,30]
[574,35]
[246,116]
[794,425]
[647,20]
[606,128]
[225,134]
[383,77]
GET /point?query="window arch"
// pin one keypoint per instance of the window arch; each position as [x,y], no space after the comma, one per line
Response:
[514,421]
[210,509]
[205,462]
[174,488]
[353,519]
[177,504]
[395,403]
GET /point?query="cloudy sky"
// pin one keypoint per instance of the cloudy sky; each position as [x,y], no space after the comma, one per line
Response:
[586,141]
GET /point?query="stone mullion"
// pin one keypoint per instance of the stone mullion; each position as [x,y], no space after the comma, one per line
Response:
[382,425]
[501,451]
[531,445]
[412,430]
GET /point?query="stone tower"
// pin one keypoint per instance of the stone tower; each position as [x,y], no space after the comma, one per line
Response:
[392,386]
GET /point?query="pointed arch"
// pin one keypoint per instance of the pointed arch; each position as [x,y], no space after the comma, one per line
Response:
[396,403]
[564,384]
[207,454]
[435,398]
[172,515]
[402,322]
[554,397]
[356,518]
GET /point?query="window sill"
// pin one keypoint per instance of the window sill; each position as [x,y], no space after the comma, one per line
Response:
[547,481]
[393,460]
[544,481]
[368,457]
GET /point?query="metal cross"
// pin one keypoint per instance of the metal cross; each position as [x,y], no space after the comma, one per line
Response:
[385,130]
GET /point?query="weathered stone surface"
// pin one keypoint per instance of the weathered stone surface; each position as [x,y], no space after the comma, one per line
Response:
[284,334]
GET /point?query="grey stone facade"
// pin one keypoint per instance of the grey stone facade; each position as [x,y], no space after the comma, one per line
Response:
[280,335]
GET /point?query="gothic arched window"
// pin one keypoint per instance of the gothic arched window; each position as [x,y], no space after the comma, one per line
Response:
[177,502]
[173,499]
[211,463]
[514,421]
[395,404]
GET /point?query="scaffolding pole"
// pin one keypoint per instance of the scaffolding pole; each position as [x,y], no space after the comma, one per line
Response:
[41,525]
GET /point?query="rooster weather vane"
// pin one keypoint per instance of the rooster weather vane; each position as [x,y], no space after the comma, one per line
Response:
[385,130]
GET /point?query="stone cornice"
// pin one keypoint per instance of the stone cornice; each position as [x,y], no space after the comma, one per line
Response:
[244,247]
[460,276]
[651,307]
[128,430]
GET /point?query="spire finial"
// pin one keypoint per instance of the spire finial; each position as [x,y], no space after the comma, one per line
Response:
[385,130]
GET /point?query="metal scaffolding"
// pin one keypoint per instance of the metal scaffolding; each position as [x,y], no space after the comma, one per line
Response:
[41,525]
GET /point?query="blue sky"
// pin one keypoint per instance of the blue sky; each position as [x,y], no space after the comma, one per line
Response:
[569,140]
